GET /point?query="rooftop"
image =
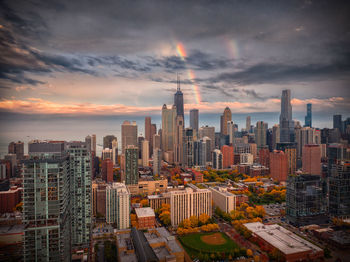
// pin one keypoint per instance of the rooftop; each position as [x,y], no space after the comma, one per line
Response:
[281,238]
[144,212]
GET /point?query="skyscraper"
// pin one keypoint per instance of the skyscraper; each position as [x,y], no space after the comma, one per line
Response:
[131,174]
[227,156]
[337,122]
[217,159]
[157,159]
[107,170]
[226,116]
[231,131]
[80,194]
[93,143]
[115,151]
[145,153]
[188,155]
[208,131]
[308,117]
[46,208]
[16,148]
[286,117]
[194,120]
[178,140]
[129,134]
[312,159]
[179,100]
[88,142]
[118,205]
[260,134]
[247,124]
[168,128]
[107,141]
[278,165]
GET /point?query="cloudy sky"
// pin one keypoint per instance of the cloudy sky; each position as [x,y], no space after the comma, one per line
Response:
[122,57]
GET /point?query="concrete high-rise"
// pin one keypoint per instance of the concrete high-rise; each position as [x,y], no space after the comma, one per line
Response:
[312,159]
[16,148]
[227,156]
[208,131]
[217,159]
[46,208]
[168,128]
[93,143]
[194,120]
[145,153]
[286,125]
[107,170]
[129,134]
[118,205]
[208,143]
[88,142]
[278,165]
[308,117]
[275,136]
[156,141]
[231,128]
[223,199]
[179,101]
[107,141]
[150,130]
[189,202]
[226,116]
[80,194]
[131,173]
[260,134]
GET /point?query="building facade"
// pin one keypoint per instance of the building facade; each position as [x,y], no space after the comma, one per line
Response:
[118,205]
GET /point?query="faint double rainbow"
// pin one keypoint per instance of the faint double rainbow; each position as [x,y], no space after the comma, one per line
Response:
[180,49]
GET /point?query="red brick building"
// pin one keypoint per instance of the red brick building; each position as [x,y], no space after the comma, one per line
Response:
[107,170]
[198,176]
[227,156]
[312,159]
[264,157]
[241,199]
[9,199]
[145,217]
[278,165]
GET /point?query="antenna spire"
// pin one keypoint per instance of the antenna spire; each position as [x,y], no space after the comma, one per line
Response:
[178,81]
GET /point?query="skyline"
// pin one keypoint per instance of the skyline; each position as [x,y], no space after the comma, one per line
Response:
[112,62]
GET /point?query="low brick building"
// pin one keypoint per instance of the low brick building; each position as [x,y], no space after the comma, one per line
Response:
[145,217]
[9,199]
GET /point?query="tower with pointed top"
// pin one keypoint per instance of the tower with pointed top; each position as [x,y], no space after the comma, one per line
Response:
[179,100]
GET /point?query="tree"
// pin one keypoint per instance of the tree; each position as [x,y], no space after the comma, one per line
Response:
[260,211]
[249,253]
[194,221]
[144,203]
[203,218]
[186,223]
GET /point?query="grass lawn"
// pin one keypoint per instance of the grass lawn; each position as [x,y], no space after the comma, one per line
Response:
[200,243]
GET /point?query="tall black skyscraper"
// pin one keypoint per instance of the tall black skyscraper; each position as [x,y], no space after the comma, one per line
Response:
[179,100]
[308,117]
[337,122]
[194,119]
[286,124]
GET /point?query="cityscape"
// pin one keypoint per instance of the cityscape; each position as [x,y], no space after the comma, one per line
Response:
[205,154]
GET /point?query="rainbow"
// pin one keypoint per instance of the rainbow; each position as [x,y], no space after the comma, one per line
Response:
[232,47]
[180,49]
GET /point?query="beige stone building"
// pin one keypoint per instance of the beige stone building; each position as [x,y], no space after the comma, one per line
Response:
[148,187]
[226,201]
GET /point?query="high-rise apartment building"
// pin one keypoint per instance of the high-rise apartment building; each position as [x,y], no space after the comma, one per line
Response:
[46,208]
[131,174]
[306,200]
[200,152]
[312,159]
[157,160]
[290,151]
[208,131]
[308,117]
[189,202]
[337,122]
[208,142]
[156,141]
[118,205]
[93,143]
[227,156]
[37,147]
[115,151]
[80,194]
[231,128]
[217,159]
[129,134]
[226,116]
[16,148]
[275,136]
[194,120]
[145,153]
[107,170]
[286,126]
[223,199]
[88,142]
[278,165]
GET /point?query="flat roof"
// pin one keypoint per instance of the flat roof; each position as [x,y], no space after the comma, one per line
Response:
[144,212]
[281,238]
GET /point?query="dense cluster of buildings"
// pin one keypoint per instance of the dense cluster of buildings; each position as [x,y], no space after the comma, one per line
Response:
[65,186]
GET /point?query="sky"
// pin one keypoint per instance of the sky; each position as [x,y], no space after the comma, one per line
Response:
[122,57]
